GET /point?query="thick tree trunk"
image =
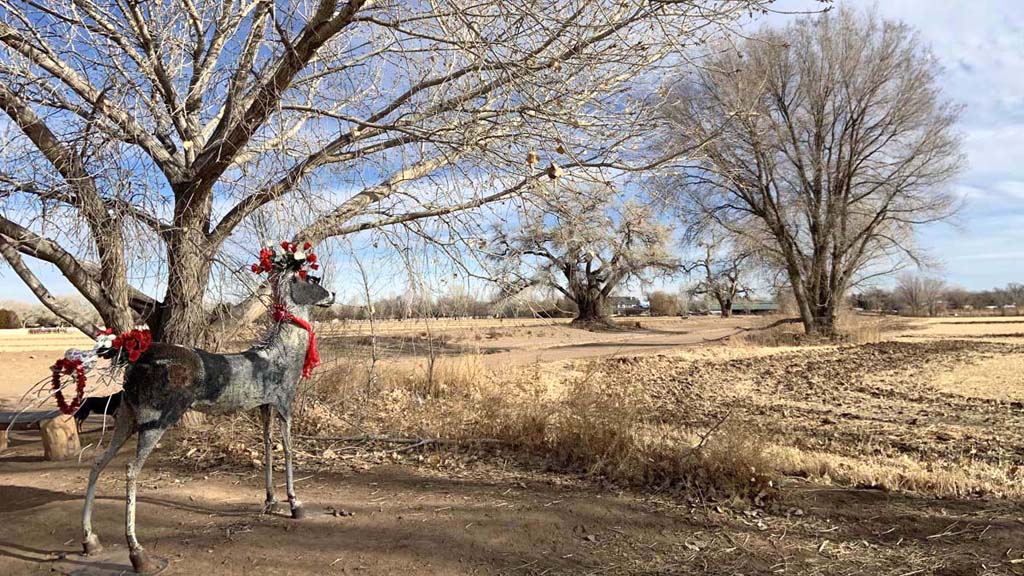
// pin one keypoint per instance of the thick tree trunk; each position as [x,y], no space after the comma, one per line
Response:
[800,295]
[182,318]
[725,305]
[592,309]
[824,322]
[817,313]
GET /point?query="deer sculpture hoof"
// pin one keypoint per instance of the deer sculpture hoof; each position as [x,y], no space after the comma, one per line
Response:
[298,512]
[92,545]
[270,507]
[146,565]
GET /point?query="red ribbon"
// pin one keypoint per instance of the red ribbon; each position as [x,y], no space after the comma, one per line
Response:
[280,314]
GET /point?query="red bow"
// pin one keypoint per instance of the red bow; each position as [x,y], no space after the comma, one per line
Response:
[280,314]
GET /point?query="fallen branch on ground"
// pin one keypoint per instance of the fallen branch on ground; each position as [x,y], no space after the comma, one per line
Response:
[412,442]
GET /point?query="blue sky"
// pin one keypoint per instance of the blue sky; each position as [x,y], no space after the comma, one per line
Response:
[981,46]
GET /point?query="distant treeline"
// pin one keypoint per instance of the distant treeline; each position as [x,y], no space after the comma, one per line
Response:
[659,303]
[915,295]
[460,306]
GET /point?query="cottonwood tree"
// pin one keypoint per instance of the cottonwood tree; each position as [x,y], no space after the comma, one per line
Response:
[1015,294]
[922,295]
[585,244]
[149,146]
[829,137]
[725,270]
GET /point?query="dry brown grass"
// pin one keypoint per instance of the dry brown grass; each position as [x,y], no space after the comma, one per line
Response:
[851,328]
[575,421]
[945,479]
[597,427]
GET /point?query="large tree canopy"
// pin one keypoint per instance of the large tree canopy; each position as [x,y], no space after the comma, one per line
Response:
[158,140]
[585,243]
[831,139]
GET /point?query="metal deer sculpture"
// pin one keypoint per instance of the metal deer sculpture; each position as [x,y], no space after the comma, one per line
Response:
[166,381]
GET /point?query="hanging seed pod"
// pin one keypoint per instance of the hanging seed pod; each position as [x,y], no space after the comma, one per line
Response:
[560,149]
[554,171]
[532,158]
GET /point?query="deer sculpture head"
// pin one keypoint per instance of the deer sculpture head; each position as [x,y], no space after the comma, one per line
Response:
[299,293]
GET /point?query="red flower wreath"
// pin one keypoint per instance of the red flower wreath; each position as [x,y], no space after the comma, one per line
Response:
[289,258]
[67,367]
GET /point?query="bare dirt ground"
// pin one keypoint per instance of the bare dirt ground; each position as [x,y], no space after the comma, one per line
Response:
[900,456]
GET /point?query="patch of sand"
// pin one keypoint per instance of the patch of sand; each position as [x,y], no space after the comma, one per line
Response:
[993,379]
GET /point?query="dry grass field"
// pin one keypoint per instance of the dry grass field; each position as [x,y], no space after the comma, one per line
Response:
[684,446]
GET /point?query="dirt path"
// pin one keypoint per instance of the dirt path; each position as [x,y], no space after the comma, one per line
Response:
[412,520]
[623,344]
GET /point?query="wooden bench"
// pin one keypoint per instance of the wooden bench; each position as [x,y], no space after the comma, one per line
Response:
[60,435]
[27,420]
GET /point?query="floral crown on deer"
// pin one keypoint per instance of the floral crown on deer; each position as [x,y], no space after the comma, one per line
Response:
[286,256]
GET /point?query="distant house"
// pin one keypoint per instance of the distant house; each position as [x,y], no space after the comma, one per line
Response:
[625,306]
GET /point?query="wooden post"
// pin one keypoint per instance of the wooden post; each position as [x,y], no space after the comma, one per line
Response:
[3,440]
[60,438]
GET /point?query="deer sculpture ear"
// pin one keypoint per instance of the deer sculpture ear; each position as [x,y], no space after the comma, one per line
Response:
[305,293]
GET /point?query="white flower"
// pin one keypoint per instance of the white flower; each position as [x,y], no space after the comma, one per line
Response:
[300,254]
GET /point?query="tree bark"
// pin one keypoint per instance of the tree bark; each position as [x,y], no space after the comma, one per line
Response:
[181,318]
[592,309]
[726,306]
[824,322]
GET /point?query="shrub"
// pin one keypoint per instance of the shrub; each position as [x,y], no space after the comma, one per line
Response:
[9,319]
[664,304]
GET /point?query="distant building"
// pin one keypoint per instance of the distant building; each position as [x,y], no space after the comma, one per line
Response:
[626,306]
[748,307]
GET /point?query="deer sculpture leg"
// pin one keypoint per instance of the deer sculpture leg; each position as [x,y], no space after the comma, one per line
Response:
[266,417]
[286,439]
[149,435]
[123,429]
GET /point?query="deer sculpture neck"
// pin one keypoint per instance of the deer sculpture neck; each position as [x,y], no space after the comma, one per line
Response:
[291,335]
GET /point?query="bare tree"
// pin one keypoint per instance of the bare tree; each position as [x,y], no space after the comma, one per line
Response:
[829,137]
[922,295]
[152,145]
[957,298]
[584,244]
[1015,295]
[875,299]
[725,268]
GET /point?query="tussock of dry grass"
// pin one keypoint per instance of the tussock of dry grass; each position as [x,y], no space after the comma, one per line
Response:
[576,421]
[598,427]
[943,479]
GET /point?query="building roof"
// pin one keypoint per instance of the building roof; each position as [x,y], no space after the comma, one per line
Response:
[745,306]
